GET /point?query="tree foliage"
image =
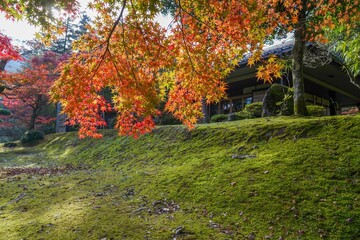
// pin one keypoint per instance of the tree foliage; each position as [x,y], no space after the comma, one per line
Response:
[346,43]
[7,50]
[29,92]
[72,32]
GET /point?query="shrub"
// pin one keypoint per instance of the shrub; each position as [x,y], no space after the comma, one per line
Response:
[254,109]
[48,128]
[243,115]
[10,144]
[278,99]
[8,134]
[233,117]
[166,118]
[219,118]
[31,136]
[4,112]
[287,104]
[316,111]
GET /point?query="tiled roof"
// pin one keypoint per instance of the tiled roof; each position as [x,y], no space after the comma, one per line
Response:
[284,49]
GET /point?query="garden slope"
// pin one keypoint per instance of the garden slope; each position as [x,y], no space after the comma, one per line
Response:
[276,178]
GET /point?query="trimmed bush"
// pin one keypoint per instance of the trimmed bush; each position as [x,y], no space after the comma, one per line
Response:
[254,109]
[4,112]
[31,136]
[232,117]
[219,118]
[316,111]
[243,115]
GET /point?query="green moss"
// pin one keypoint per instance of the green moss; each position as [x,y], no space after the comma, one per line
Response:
[316,111]
[289,177]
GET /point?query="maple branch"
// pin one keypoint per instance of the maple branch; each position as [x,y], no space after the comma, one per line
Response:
[196,18]
[183,37]
[4,87]
[126,53]
[115,66]
[139,28]
[107,41]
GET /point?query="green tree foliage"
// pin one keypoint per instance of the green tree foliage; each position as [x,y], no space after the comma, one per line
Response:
[347,45]
[72,32]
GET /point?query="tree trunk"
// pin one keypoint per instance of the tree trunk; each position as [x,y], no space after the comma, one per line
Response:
[2,65]
[32,119]
[298,68]
[35,112]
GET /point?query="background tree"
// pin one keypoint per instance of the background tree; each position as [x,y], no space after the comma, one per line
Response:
[31,94]
[71,33]
[7,52]
[346,43]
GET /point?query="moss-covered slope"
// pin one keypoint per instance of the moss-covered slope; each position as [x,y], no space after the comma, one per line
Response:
[276,178]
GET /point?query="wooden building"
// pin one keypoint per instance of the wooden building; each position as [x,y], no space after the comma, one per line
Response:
[326,83]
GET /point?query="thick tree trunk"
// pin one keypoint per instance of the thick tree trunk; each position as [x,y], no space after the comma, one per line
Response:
[297,70]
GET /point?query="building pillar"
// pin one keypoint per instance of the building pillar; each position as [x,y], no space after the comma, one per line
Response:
[334,104]
[205,111]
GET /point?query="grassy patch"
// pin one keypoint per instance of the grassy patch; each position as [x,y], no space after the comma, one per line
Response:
[252,179]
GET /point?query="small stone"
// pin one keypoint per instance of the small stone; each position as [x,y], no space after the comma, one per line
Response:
[251,236]
[242,156]
[266,172]
[213,225]
[179,231]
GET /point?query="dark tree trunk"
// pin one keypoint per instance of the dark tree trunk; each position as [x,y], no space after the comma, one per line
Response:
[2,84]
[2,65]
[298,67]
[32,119]
[35,111]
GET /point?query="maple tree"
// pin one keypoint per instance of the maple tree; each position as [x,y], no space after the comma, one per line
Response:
[144,63]
[30,92]
[7,52]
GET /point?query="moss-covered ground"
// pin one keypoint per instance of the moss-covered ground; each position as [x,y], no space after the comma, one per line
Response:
[274,178]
